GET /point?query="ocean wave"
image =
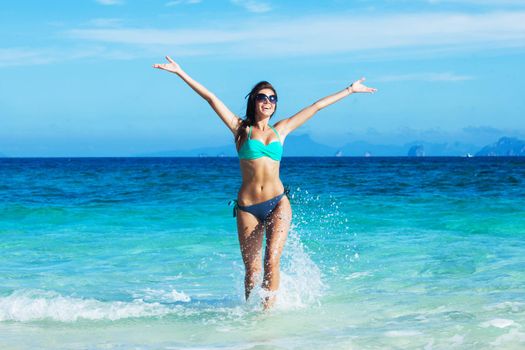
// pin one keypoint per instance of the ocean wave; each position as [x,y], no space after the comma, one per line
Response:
[498,323]
[402,333]
[513,337]
[507,306]
[162,295]
[356,275]
[37,305]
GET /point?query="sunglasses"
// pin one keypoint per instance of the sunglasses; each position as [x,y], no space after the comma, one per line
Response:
[262,97]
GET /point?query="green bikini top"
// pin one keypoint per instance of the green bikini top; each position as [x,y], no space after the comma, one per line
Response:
[253,149]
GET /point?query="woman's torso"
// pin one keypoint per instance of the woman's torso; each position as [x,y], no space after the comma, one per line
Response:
[260,162]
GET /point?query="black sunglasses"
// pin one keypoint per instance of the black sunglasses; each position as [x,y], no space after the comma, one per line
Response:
[261,97]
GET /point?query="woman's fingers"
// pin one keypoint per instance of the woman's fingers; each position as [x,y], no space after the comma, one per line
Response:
[357,86]
[359,81]
[166,66]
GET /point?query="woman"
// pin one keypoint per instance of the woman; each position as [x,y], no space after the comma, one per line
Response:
[261,201]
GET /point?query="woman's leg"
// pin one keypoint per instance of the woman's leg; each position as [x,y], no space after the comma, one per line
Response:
[251,233]
[277,226]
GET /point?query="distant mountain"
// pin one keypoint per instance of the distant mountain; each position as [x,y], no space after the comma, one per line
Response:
[416,151]
[303,145]
[221,151]
[362,148]
[296,146]
[505,146]
[447,149]
[365,149]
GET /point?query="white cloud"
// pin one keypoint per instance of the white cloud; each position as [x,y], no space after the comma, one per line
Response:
[110,2]
[23,56]
[20,56]
[370,35]
[182,2]
[358,37]
[254,6]
[157,36]
[480,2]
[447,76]
[106,22]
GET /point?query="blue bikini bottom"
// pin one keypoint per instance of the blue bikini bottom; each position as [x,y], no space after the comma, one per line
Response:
[260,210]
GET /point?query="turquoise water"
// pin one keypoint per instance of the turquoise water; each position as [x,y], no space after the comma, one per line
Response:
[384,253]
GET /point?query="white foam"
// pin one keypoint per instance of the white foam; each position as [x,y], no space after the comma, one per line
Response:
[173,278]
[34,305]
[179,296]
[402,333]
[513,337]
[164,295]
[457,340]
[498,323]
[357,275]
[513,306]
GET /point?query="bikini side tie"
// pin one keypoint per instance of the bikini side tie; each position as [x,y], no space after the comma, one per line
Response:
[235,206]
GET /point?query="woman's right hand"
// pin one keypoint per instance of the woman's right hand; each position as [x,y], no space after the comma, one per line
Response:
[172,66]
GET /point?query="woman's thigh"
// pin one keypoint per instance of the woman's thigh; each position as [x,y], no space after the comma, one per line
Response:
[251,232]
[277,227]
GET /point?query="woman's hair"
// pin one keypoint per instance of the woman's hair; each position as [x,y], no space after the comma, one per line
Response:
[249,120]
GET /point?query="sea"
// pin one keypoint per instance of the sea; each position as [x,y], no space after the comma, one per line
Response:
[142,253]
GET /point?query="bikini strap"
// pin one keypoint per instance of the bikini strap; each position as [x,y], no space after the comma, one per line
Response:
[276,133]
[235,206]
[250,133]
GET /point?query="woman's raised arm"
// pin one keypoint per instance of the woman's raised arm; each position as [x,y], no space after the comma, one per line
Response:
[227,116]
[286,126]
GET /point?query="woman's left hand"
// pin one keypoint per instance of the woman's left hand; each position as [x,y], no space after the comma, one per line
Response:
[358,86]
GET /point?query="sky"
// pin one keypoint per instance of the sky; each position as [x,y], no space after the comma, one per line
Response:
[76,77]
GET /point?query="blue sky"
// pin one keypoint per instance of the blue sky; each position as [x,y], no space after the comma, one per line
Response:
[76,76]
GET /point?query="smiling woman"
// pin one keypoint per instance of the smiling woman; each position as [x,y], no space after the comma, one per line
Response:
[262,205]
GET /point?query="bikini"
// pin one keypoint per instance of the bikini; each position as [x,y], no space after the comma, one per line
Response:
[254,149]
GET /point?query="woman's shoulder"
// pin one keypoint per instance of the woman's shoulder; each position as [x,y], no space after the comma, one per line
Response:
[280,128]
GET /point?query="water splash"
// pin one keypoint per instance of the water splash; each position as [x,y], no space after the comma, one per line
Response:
[325,230]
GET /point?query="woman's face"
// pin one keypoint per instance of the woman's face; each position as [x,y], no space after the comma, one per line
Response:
[263,107]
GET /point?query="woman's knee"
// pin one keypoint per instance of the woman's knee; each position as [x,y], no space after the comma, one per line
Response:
[272,263]
[253,269]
